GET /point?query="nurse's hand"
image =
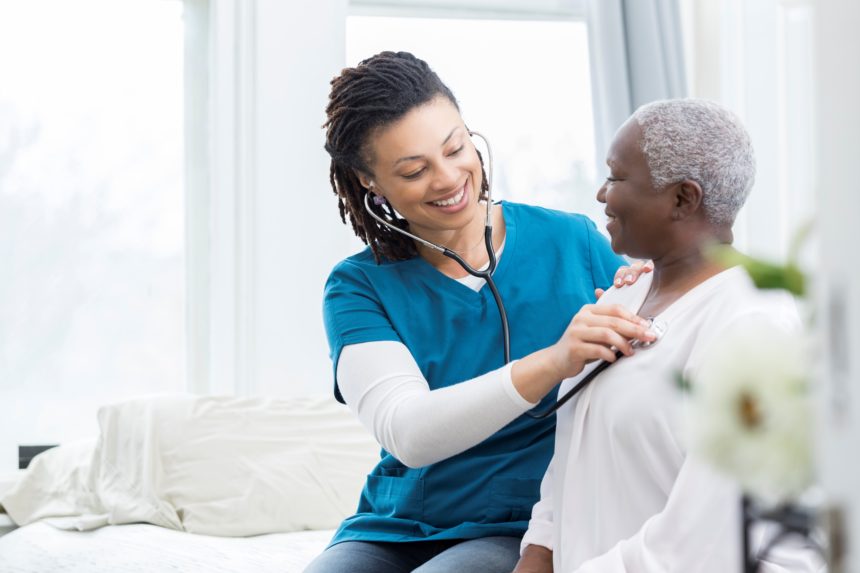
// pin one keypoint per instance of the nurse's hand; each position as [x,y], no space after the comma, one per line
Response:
[628,275]
[595,333]
[535,559]
[591,335]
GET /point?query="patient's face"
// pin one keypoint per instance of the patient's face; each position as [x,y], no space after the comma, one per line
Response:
[637,213]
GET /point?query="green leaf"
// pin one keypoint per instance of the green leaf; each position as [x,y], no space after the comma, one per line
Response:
[764,274]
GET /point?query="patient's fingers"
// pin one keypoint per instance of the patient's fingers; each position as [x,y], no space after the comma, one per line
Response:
[627,275]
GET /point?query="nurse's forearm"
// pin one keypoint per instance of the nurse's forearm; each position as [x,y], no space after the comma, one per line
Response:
[535,375]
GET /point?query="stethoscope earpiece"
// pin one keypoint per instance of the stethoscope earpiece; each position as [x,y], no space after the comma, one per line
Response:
[487,273]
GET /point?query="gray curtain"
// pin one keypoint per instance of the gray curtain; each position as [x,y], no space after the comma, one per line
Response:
[636,53]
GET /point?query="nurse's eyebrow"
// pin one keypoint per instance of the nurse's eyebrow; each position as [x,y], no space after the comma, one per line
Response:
[414,157]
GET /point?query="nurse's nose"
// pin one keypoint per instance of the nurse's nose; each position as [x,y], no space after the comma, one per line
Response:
[447,175]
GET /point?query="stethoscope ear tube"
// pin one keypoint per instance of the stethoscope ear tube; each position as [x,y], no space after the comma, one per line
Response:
[486,274]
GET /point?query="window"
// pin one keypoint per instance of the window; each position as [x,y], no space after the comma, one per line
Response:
[525,84]
[91,212]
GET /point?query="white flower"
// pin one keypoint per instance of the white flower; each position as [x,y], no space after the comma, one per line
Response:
[750,411]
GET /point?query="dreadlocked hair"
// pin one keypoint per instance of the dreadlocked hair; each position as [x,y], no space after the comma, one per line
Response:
[377,92]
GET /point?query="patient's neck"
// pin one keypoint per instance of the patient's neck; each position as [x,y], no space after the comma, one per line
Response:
[675,274]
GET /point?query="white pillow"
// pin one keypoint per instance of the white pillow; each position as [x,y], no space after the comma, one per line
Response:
[212,465]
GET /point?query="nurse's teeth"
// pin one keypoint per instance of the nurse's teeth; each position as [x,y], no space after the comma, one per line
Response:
[452,201]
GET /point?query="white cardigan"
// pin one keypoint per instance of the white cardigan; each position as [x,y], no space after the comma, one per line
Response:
[621,494]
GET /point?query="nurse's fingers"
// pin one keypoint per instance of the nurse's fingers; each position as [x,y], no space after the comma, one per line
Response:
[591,352]
[627,330]
[608,339]
[618,320]
[610,310]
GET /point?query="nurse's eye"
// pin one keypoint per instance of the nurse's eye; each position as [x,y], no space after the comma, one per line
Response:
[414,175]
[456,151]
[612,179]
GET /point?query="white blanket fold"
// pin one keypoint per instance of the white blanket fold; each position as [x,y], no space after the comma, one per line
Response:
[212,465]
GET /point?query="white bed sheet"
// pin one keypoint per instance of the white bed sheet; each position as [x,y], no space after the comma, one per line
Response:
[138,548]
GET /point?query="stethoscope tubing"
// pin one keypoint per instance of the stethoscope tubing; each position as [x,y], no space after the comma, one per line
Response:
[659,328]
[603,365]
[487,275]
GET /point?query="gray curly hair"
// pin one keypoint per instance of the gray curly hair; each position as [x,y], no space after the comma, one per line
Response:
[703,141]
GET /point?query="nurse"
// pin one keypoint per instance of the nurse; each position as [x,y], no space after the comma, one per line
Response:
[416,342]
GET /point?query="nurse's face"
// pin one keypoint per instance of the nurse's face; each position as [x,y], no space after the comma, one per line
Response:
[427,168]
[638,215]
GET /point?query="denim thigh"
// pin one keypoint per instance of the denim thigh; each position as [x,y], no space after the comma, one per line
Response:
[484,555]
[376,557]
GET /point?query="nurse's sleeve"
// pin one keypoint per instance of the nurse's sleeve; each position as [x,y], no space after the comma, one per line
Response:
[604,261]
[384,387]
[352,314]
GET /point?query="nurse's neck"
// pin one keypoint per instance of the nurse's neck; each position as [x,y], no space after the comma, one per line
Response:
[682,268]
[470,245]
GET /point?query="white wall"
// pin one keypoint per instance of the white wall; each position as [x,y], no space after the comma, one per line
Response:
[837,80]
[755,57]
[275,227]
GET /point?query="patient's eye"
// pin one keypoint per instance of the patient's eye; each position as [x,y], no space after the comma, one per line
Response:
[611,179]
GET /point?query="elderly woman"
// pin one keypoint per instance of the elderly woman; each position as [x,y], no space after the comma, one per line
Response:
[621,494]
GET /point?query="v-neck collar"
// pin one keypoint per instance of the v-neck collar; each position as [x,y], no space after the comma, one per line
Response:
[689,298]
[452,285]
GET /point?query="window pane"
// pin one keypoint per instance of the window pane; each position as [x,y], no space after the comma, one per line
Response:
[523,84]
[91,211]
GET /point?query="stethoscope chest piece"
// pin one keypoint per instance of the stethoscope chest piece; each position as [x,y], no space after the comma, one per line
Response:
[658,327]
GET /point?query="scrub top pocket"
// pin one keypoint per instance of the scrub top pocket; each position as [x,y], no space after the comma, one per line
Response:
[399,497]
[511,499]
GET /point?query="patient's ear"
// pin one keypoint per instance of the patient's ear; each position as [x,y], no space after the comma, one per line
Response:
[688,198]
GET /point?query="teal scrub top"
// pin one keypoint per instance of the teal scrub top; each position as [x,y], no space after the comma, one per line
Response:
[551,264]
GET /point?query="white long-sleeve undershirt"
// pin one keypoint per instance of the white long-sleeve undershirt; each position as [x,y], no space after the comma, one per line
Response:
[383,385]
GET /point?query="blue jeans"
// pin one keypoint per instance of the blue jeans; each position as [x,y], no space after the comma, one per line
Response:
[485,555]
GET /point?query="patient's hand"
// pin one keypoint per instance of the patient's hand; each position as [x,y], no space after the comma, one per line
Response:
[535,559]
[628,275]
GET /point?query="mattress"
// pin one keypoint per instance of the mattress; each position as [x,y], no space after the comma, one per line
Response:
[41,548]
[7,481]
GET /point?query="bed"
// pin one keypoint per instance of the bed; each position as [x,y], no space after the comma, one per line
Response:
[189,483]
[40,547]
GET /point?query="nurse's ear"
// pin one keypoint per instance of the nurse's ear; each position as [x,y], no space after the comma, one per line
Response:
[364,179]
[688,199]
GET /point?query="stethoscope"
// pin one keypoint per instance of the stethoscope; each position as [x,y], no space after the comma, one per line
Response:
[658,327]
[486,273]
